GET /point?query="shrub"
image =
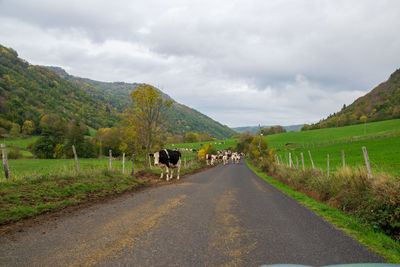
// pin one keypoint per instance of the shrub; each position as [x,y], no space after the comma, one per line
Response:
[14,154]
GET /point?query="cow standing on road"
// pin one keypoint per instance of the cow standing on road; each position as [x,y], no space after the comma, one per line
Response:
[169,159]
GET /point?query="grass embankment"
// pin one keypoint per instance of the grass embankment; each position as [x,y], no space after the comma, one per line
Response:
[354,226]
[37,186]
[38,193]
[382,140]
[20,145]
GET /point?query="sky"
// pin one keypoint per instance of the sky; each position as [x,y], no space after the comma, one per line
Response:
[242,63]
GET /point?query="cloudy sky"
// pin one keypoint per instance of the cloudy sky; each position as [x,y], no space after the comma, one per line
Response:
[240,62]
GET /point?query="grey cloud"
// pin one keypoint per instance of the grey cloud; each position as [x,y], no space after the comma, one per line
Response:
[259,61]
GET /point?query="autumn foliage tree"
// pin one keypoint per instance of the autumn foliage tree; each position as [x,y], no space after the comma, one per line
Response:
[146,115]
[191,137]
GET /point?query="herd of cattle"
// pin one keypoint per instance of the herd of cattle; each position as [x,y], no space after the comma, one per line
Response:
[224,156]
[171,159]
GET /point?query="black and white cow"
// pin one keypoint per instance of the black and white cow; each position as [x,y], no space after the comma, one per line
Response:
[169,159]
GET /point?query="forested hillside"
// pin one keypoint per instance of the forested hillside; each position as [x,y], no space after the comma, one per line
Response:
[382,103]
[28,92]
[180,119]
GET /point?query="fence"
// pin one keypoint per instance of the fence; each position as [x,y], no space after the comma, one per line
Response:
[331,160]
[128,164]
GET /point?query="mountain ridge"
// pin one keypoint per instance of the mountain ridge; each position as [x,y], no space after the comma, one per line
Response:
[117,94]
[254,129]
[28,92]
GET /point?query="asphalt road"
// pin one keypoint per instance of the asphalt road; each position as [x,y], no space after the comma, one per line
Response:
[225,216]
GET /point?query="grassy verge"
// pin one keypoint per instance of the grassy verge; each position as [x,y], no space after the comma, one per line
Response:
[355,227]
[36,194]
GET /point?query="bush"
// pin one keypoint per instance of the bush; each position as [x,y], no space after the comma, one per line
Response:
[44,147]
[14,154]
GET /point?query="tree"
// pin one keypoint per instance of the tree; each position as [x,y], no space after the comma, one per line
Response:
[258,147]
[75,135]
[205,137]
[274,130]
[244,142]
[44,147]
[52,125]
[28,128]
[147,114]
[109,138]
[191,137]
[15,129]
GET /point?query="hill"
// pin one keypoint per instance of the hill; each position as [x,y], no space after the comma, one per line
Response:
[254,129]
[382,103]
[180,118]
[28,92]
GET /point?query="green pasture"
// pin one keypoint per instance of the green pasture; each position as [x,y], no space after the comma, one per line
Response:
[27,167]
[218,144]
[336,135]
[21,143]
[382,142]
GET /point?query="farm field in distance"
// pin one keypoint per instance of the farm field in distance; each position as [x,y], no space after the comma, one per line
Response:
[382,140]
[218,144]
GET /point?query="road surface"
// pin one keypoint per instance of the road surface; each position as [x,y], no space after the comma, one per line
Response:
[225,216]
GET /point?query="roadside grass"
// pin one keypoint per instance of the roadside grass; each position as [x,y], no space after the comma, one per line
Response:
[38,193]
[353,226]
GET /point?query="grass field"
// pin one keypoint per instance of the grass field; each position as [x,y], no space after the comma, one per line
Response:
[382,140]
[218,144]
[26,167]
[22,143]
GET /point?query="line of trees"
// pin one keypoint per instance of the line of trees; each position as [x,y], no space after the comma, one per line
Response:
[142,129]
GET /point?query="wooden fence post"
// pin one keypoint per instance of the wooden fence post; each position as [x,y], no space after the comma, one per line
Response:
[302,160]
[149,161]
[343,160]
[297,161]
[290,160]
[367,162]
[328,166]
[133,165]
[110,155]
[5,161]
[312,162]
[123,163]
[283,163]
[76,158]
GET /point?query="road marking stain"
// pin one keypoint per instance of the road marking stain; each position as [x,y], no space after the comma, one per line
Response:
[129,237]
[228,237]
[94,236]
